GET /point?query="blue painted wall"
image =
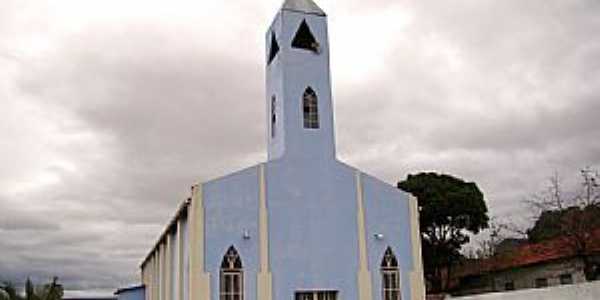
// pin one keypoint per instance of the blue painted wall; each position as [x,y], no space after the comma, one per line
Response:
[230,207]
[312,227]
[313,237]
[387,213]
[288,76]
[133,293]
[311,197]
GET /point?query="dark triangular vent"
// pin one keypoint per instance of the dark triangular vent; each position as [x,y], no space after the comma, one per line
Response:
[274,48]
[304,39]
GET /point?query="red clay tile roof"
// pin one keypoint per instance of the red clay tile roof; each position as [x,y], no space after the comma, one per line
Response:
[528,254]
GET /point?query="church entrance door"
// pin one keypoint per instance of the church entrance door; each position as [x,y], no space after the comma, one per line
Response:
[316,295]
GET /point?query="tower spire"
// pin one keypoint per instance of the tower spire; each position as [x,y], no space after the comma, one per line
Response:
[304,6]
[299,108]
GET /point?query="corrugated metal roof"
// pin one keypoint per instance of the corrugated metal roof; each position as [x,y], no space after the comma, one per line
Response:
[305,6]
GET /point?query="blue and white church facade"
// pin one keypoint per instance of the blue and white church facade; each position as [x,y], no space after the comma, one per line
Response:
[301,226]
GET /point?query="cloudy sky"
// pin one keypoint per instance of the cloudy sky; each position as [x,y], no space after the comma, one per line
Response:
[111,109]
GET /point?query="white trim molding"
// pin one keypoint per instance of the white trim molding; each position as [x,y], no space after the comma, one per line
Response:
[199,278]
[365,290]
[264,280]
[417,281]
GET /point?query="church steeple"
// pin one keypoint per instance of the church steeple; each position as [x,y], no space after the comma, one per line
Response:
[300,111]
[304,6]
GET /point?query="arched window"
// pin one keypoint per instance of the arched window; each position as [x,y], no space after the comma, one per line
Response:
[390,276]
[231,283]
[273,115]
[310,108]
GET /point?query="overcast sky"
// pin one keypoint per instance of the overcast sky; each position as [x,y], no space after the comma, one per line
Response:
[111,109]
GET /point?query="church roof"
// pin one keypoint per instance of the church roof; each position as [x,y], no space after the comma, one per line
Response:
[305,6]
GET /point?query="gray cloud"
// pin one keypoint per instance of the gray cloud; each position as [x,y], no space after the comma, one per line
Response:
[112,115]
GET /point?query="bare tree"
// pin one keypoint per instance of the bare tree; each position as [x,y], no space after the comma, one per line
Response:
[571,215]
[488,248]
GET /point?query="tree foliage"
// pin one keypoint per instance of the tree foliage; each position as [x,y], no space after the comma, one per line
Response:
[450,209]
[50,291]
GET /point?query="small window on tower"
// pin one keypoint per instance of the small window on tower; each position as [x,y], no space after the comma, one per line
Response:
[274,48]
[273,115]
[304,39]
[310,109]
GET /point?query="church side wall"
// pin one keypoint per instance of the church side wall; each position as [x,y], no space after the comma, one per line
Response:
[231,208]
[312,227]
[387,213]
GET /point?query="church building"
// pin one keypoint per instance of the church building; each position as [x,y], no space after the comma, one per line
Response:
[302,225]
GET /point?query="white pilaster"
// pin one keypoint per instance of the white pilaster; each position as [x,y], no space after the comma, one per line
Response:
[363,276]
[156,289]
[417,281]
[162,271]
[179,259]
[199,279]
[168,264]
[264,280]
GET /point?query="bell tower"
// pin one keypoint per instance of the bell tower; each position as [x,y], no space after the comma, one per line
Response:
[299,108]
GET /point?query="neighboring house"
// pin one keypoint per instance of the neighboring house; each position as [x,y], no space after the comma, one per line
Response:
[524,266]
[302,225]
[89,298]
[131,293]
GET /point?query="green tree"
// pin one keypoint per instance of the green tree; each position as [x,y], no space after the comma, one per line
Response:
[10,291]
[30,290]
[450,209]
[49,291]
[4,294]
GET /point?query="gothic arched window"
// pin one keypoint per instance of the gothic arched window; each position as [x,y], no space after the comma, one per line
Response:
[231,279]
[310,109]
[390,276]
[273,115]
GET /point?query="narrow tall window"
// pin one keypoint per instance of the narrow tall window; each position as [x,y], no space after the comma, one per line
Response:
[273,115]
[311,109]
[231,281]
[390,276]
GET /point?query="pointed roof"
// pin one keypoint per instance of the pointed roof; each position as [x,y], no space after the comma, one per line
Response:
[304,6]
